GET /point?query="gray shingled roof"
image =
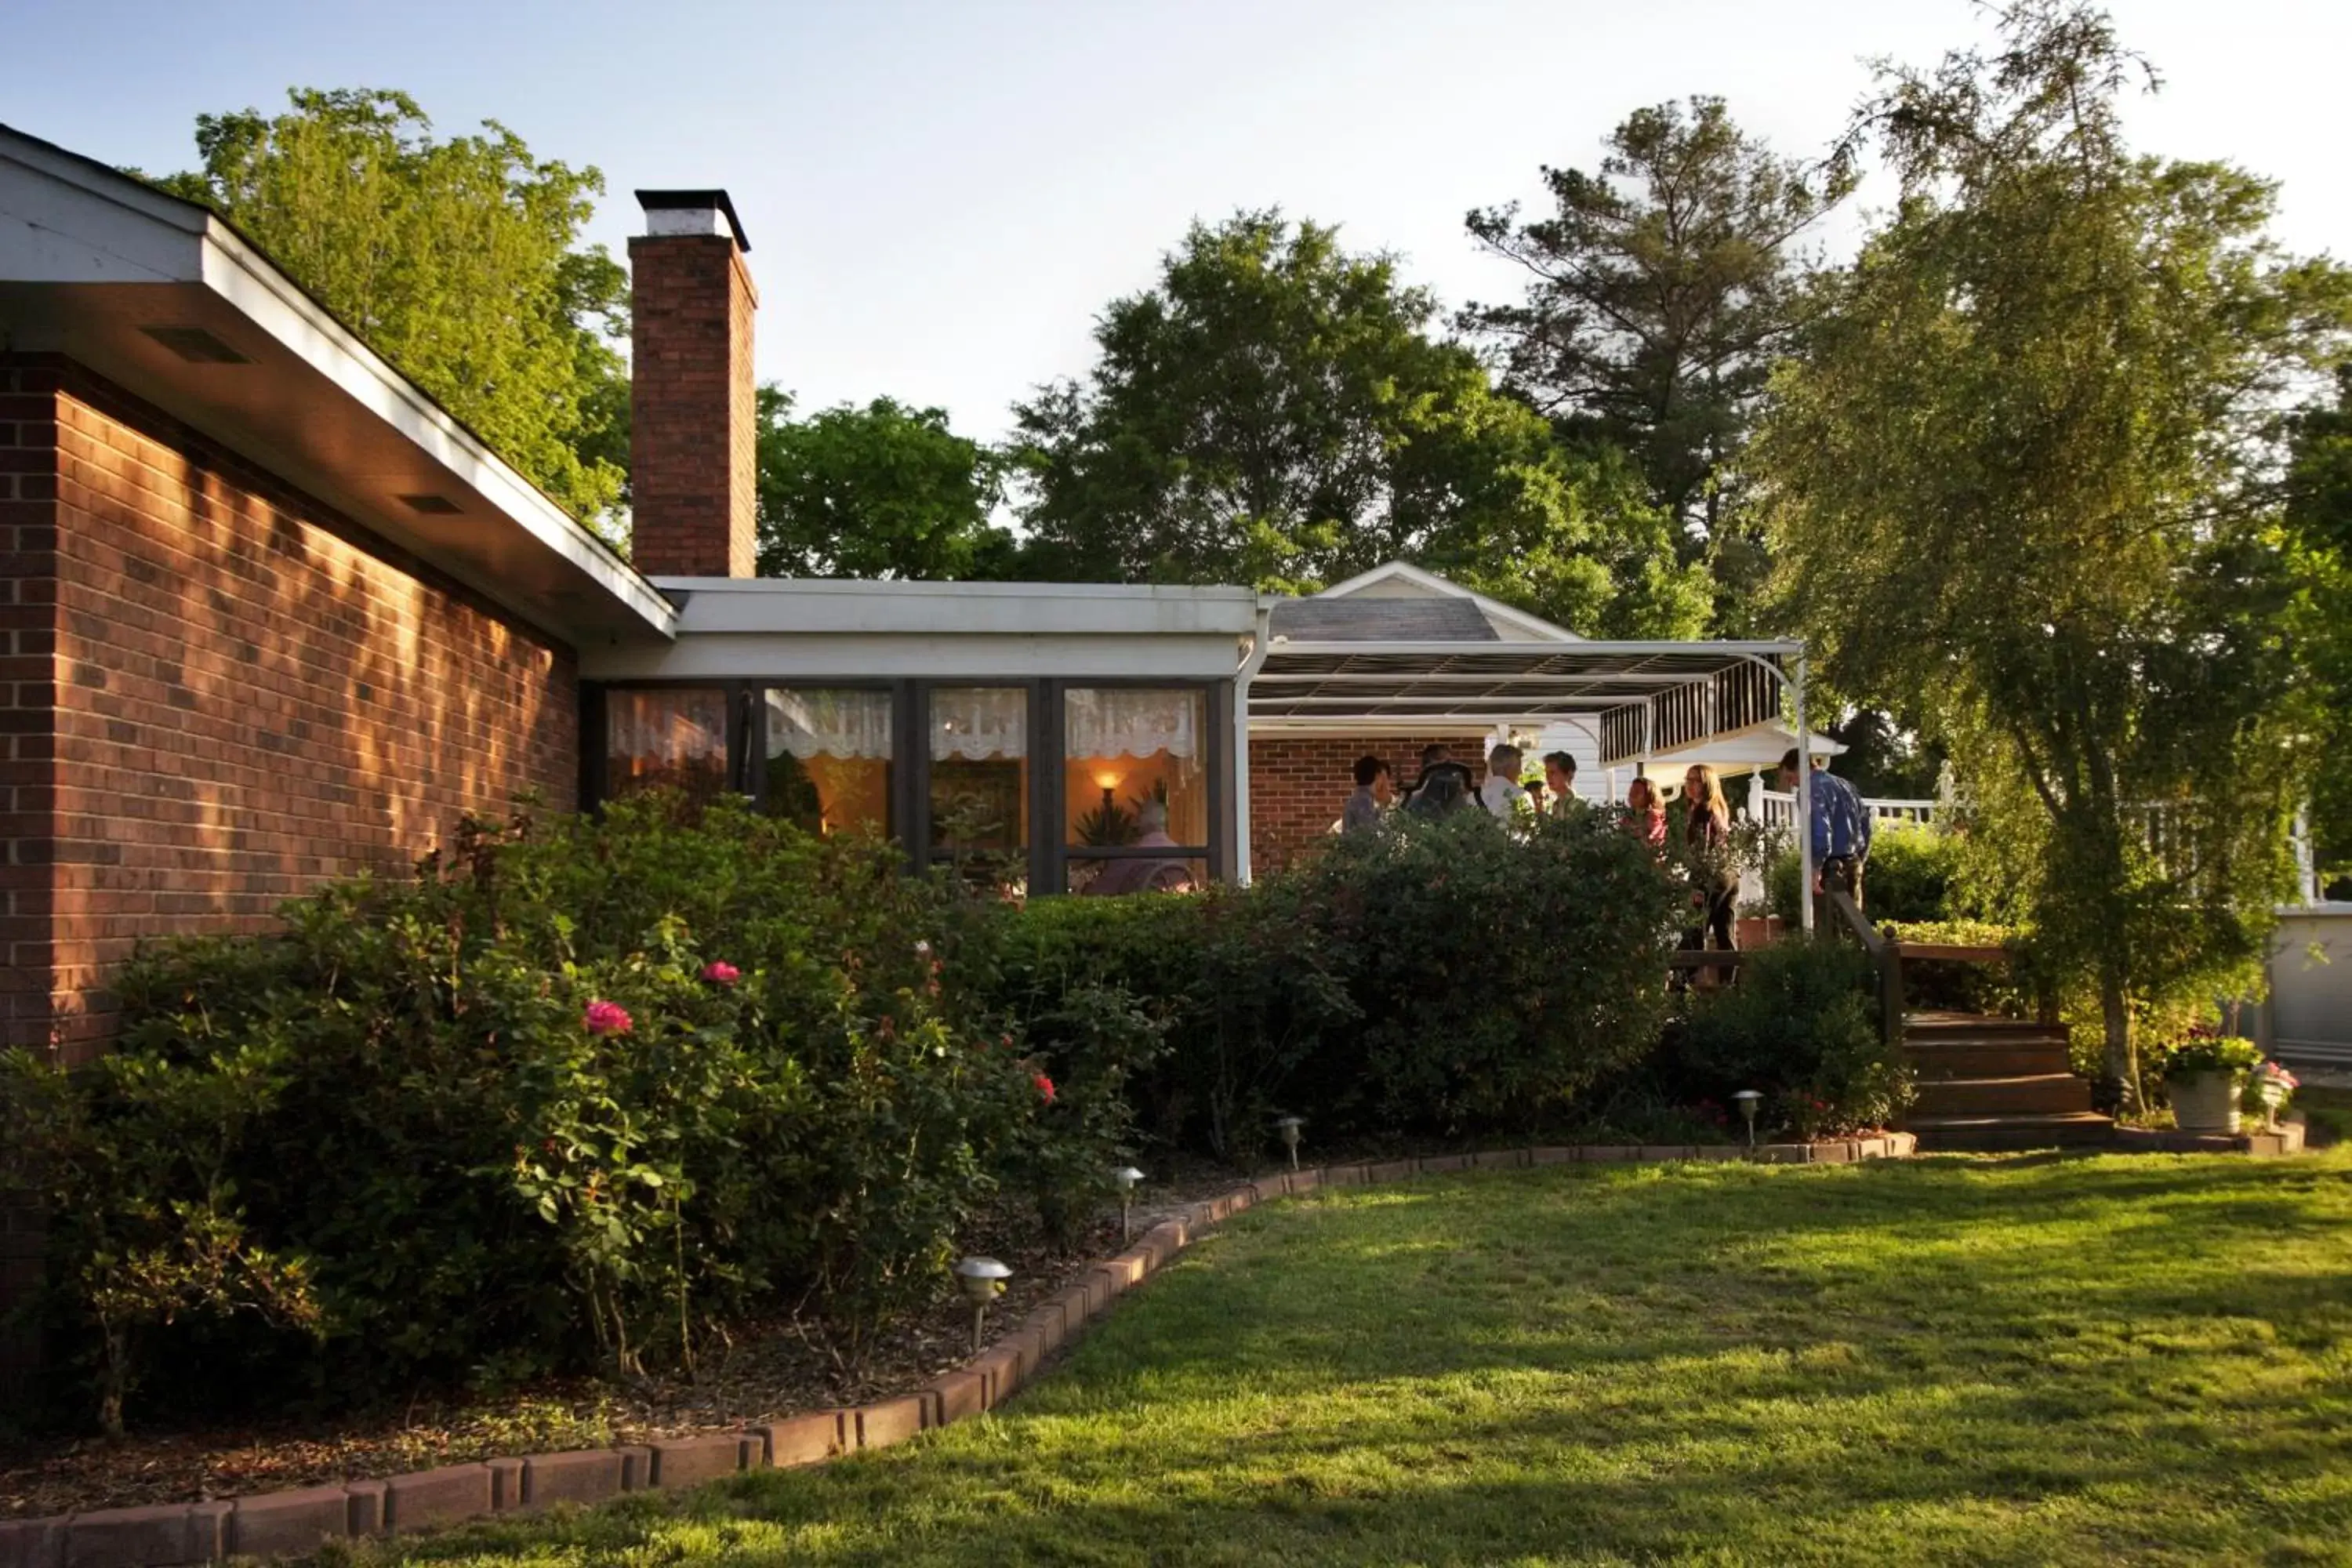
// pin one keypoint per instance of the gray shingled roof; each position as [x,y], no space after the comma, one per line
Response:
[1374,620]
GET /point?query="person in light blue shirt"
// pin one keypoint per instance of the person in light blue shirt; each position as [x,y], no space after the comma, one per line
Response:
[1840,829]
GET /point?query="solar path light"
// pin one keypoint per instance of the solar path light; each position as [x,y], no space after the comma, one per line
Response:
[1126,1176]
[983,1280]
[1289,1126]
[1748,1100]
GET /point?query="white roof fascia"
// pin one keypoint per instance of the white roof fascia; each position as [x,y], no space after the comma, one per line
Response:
[124,231]
[1732,651]
[850,657]
[772,606]
[1535,626]
[265,296]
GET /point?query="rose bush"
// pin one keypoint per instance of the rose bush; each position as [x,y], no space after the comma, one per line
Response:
[586,1091]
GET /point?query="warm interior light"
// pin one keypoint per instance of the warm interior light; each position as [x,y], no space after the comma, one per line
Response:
[1106,780]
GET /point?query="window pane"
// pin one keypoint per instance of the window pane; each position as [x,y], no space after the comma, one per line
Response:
[666,739]
[1148,874]
[979,769]
[829,758]
[1136,766]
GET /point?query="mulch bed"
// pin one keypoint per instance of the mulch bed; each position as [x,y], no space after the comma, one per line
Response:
[769,1370]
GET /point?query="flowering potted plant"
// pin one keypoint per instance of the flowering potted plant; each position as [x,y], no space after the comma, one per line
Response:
[2272,1086]
[2207,1076]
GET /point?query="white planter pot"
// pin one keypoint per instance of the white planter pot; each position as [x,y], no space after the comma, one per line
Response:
[2206,1102]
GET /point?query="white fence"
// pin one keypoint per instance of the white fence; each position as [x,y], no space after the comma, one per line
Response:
[1777,809]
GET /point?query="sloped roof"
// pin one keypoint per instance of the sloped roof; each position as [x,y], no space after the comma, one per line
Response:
[1381,620]
[1403,578]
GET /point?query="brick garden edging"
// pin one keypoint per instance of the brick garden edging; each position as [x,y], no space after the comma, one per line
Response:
[2272,1143]
[297,1522]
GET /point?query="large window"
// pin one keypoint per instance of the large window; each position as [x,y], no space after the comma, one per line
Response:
[980,769]
[667,738]
[828,757]
[1042,786]
[1136,811]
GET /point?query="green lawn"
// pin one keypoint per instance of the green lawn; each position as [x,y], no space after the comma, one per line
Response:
[2034,1361]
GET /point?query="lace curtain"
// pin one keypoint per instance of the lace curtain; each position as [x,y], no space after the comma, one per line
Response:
[806,723]
[1123,722]
[979,721]
[667,727]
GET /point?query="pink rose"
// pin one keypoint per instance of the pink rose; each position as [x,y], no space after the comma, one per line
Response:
[720,973]
[606,1018]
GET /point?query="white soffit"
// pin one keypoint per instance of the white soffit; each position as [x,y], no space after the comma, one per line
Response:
[94,265]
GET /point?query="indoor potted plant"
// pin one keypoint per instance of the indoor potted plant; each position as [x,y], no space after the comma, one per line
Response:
[2207,1076]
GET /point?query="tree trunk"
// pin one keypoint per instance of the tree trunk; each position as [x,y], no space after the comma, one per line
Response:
[114,1381]
[2120,1061]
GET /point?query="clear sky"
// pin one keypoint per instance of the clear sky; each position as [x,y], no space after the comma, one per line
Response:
[942,195]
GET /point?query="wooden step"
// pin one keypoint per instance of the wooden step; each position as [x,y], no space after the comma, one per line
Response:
[1984,1058]
[2032,1094]
[1937,1026]
[1987,1134]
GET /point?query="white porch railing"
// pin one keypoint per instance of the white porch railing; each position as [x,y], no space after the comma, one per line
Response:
[1777,809]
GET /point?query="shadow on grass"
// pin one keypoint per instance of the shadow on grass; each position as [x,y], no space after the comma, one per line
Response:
[1950,1361]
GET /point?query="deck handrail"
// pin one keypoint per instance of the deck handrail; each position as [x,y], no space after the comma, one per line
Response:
[1885,957]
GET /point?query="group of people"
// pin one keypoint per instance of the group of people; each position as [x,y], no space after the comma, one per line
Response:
[1445,785]
[1840,828]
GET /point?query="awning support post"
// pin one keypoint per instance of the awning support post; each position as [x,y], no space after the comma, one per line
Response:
[1805,868]
[1260,646]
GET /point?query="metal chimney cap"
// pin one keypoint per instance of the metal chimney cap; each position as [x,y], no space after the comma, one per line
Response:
[690,203]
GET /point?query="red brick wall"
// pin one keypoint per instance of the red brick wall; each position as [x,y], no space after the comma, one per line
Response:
[222,693]
[693,433]
[1298,783]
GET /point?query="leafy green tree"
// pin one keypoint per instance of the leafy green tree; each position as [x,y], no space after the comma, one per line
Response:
[884,491]
[1659,289]
[1276,412]
[2020,484]
[2319,515]
[458,260]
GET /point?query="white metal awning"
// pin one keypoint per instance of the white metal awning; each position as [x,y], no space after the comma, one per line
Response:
[1641,697]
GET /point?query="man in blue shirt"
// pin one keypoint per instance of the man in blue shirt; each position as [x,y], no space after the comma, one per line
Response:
[1841,828]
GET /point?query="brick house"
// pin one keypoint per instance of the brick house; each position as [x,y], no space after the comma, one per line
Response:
[269,616]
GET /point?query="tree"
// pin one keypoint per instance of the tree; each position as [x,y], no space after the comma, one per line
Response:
[1276,412]
[2022,484]
[884,491]
[2320,517]
[1659,291]
[458,260]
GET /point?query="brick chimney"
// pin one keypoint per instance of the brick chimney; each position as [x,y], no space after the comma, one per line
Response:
[692,421]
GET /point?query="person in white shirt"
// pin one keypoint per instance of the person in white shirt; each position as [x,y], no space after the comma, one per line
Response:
[1501,793]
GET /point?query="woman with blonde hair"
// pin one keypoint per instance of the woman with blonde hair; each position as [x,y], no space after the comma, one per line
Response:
[1646,818]
[1707,848]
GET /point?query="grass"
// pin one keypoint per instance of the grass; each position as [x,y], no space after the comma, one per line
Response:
[2329,1111]
[2032,1361]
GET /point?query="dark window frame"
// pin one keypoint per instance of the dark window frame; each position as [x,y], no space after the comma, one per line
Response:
[1217,853]
[1048,858]
[756,765]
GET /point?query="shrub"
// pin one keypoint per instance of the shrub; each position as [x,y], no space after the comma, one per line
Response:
[1801,1030]
[1913,875]
[1438,976]
[1238,987]
[588,1089]
[1494,974]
